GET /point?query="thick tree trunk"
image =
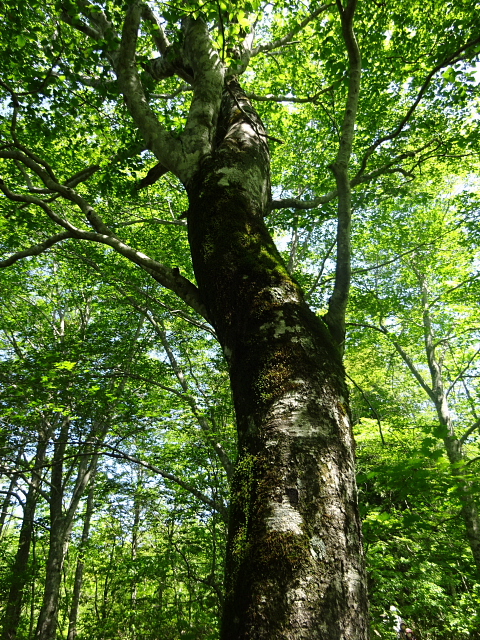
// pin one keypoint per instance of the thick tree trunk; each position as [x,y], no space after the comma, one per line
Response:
[294,561]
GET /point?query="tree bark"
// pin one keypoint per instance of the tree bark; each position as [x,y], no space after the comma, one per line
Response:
[58,543]
[453,445]
[78,580]
[13,609]
[61,523]
[294,567]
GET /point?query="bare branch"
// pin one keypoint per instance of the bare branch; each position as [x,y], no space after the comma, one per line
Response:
[375,412]
[401,351]
[296,203]
[197,412]
[469,431]
[321,270]
[389,167]
[169,278]
[458,286]
[270,97]
[213,504]
[134,301]
[79,25]
[169,96]
[95,15]
[53,185]
[152,176]
[462,372]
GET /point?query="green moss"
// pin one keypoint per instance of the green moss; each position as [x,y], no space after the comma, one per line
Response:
[281,552]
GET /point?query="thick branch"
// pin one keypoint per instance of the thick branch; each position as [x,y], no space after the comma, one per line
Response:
[158,34]
[270,97]
[469,431]
[335,317]
[389,167]
[164,145]
[169,278]
[179,223]
[208,72]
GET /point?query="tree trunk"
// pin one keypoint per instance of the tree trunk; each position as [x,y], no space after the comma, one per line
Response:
[47,621]
[294,566]
[58,543]
[453,446]
[13,609]
[78,580]
[456,457]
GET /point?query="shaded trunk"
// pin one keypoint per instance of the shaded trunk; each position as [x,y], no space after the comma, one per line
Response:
[20,576]
[8,497]
[58,543]
[78,580]
[294,565]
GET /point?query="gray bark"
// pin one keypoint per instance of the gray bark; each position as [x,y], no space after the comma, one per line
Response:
[294,561]
[453,445]
[78,580]
[20,578]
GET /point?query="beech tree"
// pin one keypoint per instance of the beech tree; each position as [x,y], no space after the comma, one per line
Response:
[435,304]
[83,116]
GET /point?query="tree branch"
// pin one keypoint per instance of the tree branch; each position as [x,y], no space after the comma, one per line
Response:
[36,249]
[404,355]
[280,42]
[451,59]
[469,431]
[270,97]
[335,316]
[165,146]
[208,70]
[158,34]
[169,278]
[213,504]
[179,223]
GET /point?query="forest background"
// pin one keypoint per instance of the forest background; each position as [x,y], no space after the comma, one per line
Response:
[118,430]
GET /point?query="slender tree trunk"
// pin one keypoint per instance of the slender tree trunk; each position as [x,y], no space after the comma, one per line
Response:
[135,529]
[294,568]
[453,446]
[78,580]
[13,609]
[58,543]
[8,497]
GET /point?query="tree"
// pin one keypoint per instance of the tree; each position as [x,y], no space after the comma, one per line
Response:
[294,565]
[433,302]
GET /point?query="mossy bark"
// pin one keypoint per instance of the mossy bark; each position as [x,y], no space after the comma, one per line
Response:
[294,561]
